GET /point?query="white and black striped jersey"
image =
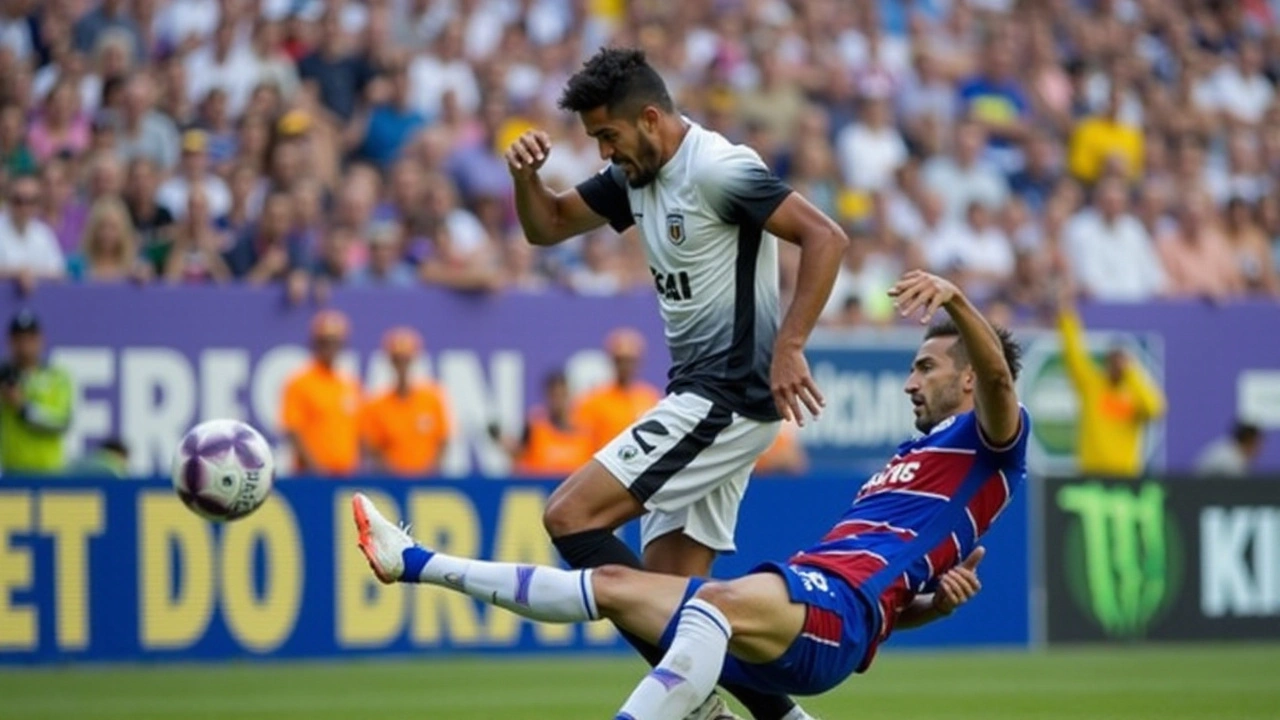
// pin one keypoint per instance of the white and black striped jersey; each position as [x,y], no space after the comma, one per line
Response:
[714,266]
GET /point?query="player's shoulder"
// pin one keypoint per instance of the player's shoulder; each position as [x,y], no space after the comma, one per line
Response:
[715,156]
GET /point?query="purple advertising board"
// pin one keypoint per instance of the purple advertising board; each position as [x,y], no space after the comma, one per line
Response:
[149,362]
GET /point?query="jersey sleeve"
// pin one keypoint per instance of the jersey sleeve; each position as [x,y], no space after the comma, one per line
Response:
[741,189]
[1014,452]
[606,194]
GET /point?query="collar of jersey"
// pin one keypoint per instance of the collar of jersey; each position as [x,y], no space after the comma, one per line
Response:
[664,172]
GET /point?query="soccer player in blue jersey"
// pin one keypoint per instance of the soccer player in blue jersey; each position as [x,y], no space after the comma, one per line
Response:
[904,553]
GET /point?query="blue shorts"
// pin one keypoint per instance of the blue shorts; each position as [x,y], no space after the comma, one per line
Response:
[839,629]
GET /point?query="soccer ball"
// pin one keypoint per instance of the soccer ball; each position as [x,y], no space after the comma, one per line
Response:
[223,470]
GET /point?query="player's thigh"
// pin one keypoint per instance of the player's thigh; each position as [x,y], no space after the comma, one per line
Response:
[592,497]
[675,553]
[764,619]
[642,603]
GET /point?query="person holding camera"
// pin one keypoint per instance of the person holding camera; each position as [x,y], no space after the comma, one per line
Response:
[35,403]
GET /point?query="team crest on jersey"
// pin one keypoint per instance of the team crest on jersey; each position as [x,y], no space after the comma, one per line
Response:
[675,228]
[627,453]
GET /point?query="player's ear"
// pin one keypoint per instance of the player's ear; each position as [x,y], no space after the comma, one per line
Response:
[649,118]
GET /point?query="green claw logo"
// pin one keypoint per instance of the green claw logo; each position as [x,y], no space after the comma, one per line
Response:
[1123,556]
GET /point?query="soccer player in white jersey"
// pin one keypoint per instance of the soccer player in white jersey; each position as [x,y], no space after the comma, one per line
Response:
[709,213]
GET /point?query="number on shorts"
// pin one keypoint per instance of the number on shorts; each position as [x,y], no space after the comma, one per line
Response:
[813,579]
[650,426]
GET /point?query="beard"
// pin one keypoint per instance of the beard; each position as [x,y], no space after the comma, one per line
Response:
[646,164]
[942,405]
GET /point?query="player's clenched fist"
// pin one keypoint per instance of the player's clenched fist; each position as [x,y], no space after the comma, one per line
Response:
[959,584]
[528,153]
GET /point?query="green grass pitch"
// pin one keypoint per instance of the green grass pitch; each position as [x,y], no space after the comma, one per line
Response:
[1176,682]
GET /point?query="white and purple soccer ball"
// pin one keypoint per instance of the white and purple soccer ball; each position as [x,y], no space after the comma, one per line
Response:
[223,469]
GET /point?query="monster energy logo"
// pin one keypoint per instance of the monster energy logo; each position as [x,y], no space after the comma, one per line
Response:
[1123,560]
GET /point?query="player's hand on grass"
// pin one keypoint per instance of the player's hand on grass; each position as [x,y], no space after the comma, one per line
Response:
[919,291]
[528,153]
[793,387]
[959,584]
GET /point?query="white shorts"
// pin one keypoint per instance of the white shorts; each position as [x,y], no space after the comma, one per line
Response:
[688,461]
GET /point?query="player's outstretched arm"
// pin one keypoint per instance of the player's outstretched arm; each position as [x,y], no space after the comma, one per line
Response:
[547,217]
[995,395]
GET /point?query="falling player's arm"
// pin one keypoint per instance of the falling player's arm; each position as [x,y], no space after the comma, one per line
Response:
[995,397]
[955,587]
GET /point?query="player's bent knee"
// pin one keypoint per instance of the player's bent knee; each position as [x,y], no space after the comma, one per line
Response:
[561,517]
[723,595]
[614,588]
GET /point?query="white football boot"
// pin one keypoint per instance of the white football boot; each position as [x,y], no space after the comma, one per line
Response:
[382,542]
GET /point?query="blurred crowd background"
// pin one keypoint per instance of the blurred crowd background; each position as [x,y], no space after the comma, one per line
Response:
[1119,150]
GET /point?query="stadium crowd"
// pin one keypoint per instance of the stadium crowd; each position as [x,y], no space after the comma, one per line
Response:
[1125,148]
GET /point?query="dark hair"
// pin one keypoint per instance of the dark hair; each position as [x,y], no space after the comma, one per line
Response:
[621,80]
[1009,347]
[1244,432]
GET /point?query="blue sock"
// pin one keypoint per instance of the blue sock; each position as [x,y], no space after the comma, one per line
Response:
[415,558]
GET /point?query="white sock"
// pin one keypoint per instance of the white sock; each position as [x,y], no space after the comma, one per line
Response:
[537,592]
[688,672]
[797,713]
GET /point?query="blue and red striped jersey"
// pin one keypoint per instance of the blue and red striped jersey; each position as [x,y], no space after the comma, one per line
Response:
[921,515]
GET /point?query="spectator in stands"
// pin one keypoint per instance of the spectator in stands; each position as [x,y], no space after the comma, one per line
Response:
[193,252]
[269,250]
[1040,174]
[60,129]
[976,253]
[386,266]
[1113,257]
[550,445]
[997,101]
[1250,250]
[109,248]
[871,150]
[1106,143]
[108,15]
[406,430]
[35,403]
[333,74]
[320,407]
[380,135]
[966,178]
[1117,401]
[142,130]
[1233,455]
[28,249]
[607,410]
[193,171]
[1196,256]
[16,157]
[61,207]
[223,64]
[152,220]
[458,252]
